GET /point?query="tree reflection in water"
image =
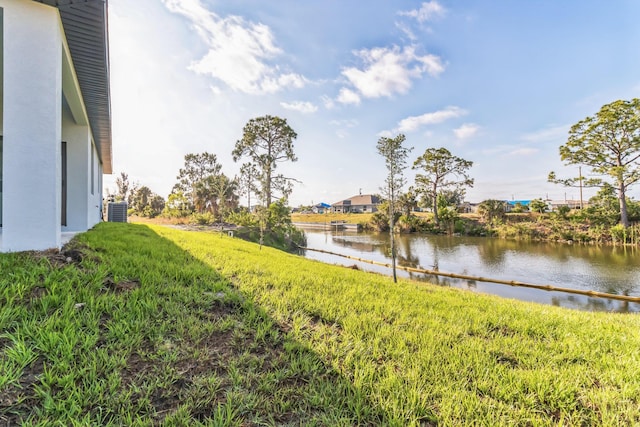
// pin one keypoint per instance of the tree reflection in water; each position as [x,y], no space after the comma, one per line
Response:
[603,269]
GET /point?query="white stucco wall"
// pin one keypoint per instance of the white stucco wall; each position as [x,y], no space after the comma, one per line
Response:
[78,141]
[32,125]
[95,198]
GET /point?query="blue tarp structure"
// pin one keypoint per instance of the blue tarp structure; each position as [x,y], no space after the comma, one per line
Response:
[515,202]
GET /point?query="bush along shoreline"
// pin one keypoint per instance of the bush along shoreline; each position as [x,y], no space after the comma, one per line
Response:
[573,228]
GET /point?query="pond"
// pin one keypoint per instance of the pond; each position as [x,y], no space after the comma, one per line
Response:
[612,270]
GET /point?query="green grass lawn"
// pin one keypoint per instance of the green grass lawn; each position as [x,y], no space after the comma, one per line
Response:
[147,325]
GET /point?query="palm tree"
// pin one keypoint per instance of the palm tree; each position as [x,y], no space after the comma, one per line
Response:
[491,209]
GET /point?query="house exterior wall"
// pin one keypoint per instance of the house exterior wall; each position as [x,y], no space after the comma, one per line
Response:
[32,110]
[367,208]
[94,211]
[79,153]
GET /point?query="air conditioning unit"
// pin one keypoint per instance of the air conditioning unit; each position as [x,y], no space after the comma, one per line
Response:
[117,212]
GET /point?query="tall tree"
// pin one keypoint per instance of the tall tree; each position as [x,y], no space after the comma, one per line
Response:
[225,190]
[609,144]
[197,168]
[492,209]
[215,194]
[177,206]
[395,158]
[247,181]
[538,205]
[604,207]
[267,141]
[156,204]
[452,197]
[145,202]
[126,189]
[133,190]
[407,202]
[122,183]
[141,198]
[441,171]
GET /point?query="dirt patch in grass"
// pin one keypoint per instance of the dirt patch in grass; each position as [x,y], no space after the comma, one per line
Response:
[16,400]
[206,372]
[38,292]
[119,287]
[71,253]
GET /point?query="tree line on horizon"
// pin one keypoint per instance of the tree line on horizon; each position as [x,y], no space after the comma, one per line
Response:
[606,144]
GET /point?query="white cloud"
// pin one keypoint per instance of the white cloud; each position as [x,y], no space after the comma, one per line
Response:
[386,134]
[406,30]
[348,123]
[327,102]
[342,133]
[238,51]
[414,122]
[301,106]
[551,133]
[344,126]
[347,96]
[466,131]
[387,71]
[428,11]
[292,80]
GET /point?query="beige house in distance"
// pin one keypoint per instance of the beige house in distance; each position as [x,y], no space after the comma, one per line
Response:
[363,203]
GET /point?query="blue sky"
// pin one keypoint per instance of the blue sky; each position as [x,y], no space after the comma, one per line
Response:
[495,82]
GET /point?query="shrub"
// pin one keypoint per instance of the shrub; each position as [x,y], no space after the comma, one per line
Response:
[563,211]
[242,218]
[618,234]
[205,218]
[380,221]
[407,223]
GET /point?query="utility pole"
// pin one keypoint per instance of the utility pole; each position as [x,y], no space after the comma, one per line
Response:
[580,174]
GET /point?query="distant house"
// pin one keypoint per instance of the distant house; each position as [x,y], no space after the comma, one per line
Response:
[55,119]
[321,208]
[510,204]
[468,207]
[363,203]
[553,205]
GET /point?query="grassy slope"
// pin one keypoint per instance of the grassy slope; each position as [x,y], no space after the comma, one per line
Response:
[328,217]
[184,327]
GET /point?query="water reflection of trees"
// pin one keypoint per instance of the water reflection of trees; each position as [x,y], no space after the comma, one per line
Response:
[406,257]
[493,252]
[606,269]
[495,248]
[609,255]
[357,245]
[594,304]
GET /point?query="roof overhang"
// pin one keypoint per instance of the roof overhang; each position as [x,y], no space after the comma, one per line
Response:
[86,30]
